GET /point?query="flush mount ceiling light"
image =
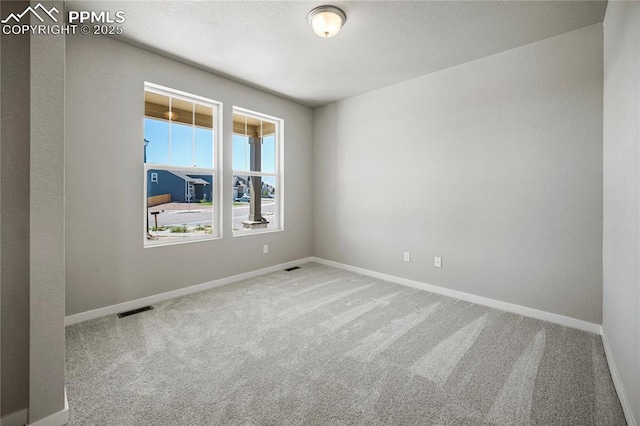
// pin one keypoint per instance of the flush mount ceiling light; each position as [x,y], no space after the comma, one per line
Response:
[326,21]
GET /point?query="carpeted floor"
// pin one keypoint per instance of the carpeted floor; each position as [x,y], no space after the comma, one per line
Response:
[320,346]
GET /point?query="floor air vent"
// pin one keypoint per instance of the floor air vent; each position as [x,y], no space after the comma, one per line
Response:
[135,311]
[292,269]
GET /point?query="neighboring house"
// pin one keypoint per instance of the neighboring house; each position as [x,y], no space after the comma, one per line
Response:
[181,185]
[240,187]
[268,191]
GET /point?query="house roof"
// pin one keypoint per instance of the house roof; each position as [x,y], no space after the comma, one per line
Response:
[189,179]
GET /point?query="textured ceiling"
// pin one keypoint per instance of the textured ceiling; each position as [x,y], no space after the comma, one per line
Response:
[268,44]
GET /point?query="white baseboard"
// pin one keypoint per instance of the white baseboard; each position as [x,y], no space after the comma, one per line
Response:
[133,304]
[497,304]
[622,395]
[18,418]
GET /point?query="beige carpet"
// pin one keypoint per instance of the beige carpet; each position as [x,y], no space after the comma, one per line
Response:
[320,346]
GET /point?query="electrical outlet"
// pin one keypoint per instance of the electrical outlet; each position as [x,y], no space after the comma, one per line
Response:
[407,256]
[265,249]
[437,262]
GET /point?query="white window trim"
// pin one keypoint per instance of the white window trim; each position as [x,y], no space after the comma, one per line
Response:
[216,171]
[279,175]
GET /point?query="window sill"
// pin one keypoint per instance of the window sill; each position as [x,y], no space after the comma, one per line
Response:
[257,232]
[160,243]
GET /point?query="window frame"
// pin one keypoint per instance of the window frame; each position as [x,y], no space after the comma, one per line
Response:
[278,175]
[215,171]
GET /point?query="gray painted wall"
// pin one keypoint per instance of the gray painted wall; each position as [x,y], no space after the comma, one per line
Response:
[495,165]
[14,190]
[621,239]
[46,251]
[32,247]
[106,261]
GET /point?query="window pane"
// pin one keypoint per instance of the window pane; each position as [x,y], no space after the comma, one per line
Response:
[269,153]
[253,144]
[181,145]
[268,188]
[156,135]
[179,204]
[204,116]
[204,156]
[243,216]
[156,106]
[204,152]
[181,133]
[240,152]
[249,153]
[156,128]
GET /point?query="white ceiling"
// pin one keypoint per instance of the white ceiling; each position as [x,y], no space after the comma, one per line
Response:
[268,44]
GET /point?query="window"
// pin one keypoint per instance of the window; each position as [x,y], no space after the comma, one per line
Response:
[257,180]
[182,180]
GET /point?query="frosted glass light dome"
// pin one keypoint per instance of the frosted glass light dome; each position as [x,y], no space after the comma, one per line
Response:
[326,21]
